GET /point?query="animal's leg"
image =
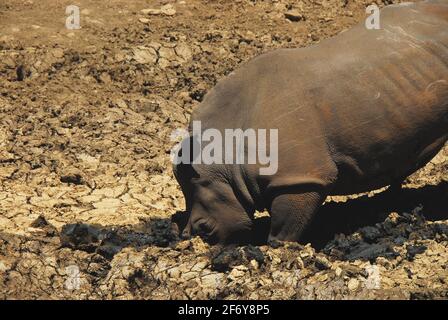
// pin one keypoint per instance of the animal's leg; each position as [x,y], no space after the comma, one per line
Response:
[423,158]
[431,151]
[291,213]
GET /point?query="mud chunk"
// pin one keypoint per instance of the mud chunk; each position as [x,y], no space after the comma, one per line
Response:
[399,240]
[322,263]
[145,55]
[275,244]
[98,266]
[42,223]
[370,233]
[163,232]
[294,15]
[139,279]
[110,245]
[428,294]
[353,271]
[313,37]
[57,52]
[338,271]
[150,11]
[183,245]
[167,10]
[183,51]
[144,20]
[340,243]
[413,250]
[353,284]
[370,252]
[253,253]
[223,261]
[231,257]
[441,229]
[22,72]
[72,178]
[237,273]
[391,221]
[6,156]
[198,93]
[80,236]
[213,280]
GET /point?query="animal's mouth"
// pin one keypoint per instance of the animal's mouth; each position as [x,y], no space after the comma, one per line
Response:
[257,235]
[209,237]
[205,228]
[186,229]
[179,221]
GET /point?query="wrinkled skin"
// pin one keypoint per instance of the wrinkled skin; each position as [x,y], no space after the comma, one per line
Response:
[208,194]
[356,112]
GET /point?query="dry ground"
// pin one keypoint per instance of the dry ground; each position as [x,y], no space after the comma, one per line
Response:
[85,176]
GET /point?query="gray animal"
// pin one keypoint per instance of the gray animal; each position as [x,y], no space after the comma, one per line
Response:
[356,112]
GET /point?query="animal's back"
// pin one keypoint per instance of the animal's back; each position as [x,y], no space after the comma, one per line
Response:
[392,114]
[376,98]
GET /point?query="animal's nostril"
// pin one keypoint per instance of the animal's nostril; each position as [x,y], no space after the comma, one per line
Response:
[185,234]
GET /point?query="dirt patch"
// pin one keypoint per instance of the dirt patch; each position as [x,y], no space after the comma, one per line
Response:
[86,188]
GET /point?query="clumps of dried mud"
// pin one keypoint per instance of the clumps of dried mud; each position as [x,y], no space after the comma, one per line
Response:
[86,188]
[403,257]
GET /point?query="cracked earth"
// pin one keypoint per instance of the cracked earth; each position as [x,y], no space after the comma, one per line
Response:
[87,194]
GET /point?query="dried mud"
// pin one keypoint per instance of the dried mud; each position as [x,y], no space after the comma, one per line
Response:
[86,188]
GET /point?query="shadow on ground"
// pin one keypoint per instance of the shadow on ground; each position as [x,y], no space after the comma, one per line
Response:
[347,217]
[333,218]
[109,240]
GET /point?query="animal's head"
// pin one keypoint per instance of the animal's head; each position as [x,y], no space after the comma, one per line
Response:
[214,211]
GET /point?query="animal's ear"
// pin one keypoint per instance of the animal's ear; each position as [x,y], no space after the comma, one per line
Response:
[188,151]
[184,171]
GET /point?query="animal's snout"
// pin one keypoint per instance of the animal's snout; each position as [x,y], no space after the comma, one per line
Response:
[186,233]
